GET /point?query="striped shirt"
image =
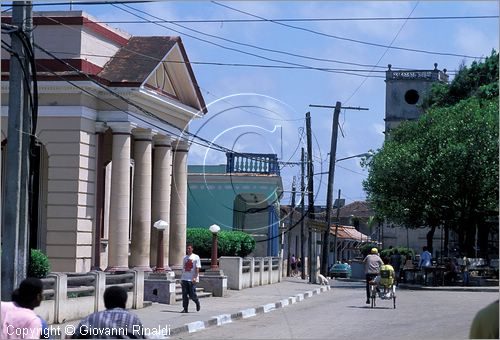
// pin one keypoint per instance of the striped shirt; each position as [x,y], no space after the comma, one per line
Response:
[116,323]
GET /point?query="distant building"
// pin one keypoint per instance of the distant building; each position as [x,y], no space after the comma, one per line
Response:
[243,194]
[405,90]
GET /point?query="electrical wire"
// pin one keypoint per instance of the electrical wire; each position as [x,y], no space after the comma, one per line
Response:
[223,21]
[347,39]
[385,52]
[237,50]
[248,45]
[234,64]
[208,144]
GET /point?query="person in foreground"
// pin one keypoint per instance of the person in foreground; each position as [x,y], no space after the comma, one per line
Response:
[18,319]
[191,265]
[485,323]
[372,262]
[113,323]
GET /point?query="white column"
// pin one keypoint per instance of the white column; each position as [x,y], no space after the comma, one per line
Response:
[141,216]
[178,215]
[161,194]
[119,210]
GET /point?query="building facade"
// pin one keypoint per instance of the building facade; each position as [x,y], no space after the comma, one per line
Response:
[111,155]
[243,194]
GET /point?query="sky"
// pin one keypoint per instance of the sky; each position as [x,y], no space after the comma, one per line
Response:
[262,109]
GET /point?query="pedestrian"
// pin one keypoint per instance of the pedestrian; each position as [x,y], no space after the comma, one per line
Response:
[485,323]
[372,262]
[425,262]
[113,323]
[293,265]
[191,265]
[395,262]
[19,320]
[299,267]
[465,271]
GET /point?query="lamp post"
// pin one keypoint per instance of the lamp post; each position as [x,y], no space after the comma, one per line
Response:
[161,226]
[214,228]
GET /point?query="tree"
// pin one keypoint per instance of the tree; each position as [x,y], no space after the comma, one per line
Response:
[443,168]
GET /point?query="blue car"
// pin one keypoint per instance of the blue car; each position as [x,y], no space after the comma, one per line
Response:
[340,270]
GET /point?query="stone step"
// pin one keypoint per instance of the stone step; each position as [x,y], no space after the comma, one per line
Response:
[200,292]
[178,297]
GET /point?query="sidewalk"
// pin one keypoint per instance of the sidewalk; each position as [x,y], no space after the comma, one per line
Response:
[167,319]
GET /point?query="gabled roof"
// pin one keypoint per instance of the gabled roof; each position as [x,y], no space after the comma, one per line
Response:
[356,208]
[349,233]
[136,60]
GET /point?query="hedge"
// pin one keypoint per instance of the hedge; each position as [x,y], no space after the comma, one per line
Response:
[39,265]
[230,243]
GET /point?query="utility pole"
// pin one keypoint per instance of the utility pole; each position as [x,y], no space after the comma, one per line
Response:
[302,214]
[15,254]
[292,210]
[335,256]
[310,201]
[331,173]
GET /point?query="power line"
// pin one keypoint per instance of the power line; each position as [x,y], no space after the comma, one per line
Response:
[84,3]
[385,52]
[346,39]
[231,64]
[209,144]
[219,21]
[239,43]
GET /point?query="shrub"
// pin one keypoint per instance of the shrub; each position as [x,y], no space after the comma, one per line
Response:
[406,252]
[39,265]
[230,243]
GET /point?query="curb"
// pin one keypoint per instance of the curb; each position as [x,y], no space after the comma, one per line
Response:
[222,319]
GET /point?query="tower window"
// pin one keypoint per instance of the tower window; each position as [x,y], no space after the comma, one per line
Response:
[411,97]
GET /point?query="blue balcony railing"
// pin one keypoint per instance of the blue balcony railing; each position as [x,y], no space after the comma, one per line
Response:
[255,163]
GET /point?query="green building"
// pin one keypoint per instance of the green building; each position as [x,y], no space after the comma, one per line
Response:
[242,194]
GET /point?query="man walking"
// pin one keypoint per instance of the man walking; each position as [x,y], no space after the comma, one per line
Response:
[191,265]
[372,262]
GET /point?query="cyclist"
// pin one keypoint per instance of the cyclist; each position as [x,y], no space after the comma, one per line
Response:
[372,262]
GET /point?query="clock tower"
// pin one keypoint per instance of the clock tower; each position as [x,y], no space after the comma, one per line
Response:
[405,90]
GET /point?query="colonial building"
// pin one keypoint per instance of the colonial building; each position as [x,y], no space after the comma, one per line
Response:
[110,158]
[405,91]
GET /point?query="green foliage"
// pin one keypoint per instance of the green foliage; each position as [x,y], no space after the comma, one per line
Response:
[39,265]
[230,243]
[479,80]
[442,168]
[406,252]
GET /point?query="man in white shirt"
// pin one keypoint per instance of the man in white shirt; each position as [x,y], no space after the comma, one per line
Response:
[191,265]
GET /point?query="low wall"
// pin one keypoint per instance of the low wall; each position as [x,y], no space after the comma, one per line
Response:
[70,296]
[250,271]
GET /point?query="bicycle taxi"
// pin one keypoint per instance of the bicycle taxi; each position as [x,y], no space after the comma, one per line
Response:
[384,286]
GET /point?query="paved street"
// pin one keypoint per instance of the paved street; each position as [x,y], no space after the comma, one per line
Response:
[342,313]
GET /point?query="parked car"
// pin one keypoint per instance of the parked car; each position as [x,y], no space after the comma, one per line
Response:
[340,270]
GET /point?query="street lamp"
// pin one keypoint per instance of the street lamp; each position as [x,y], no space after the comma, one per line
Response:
[366,154]
[214,228]
[161,226]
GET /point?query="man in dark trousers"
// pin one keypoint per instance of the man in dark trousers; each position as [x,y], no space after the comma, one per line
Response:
[191,265]
[372,262]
